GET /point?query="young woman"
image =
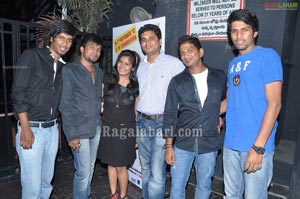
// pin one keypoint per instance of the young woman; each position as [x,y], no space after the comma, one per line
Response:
[117,143]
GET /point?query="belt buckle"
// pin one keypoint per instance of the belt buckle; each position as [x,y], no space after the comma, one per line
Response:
[151,117]
[148,117]
[45,124]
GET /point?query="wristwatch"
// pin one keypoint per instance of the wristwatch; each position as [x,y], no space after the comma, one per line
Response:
[259,150]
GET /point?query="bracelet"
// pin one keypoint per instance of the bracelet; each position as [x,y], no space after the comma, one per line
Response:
[168,146]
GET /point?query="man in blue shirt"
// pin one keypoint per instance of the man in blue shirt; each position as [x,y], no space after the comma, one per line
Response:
[253,104]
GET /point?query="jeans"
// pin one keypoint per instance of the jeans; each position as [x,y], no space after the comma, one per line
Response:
[37,163]
[84,162]
[204,164]
[255,185]
[151,153]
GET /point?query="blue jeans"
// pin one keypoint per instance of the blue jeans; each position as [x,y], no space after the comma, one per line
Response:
[37,163]
[255,185]
[204,164]
[84,162]
[151,154]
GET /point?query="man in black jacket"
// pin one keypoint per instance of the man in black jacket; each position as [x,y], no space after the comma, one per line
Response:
[80,109]
[191,120]
[36,96]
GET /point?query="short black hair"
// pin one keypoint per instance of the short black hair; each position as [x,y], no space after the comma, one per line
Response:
[150,27]
[247,16]
[62,26]
[89,37]
[189,39]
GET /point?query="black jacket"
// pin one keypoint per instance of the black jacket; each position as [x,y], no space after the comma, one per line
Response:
[194,126]
[34,90]
[80,105]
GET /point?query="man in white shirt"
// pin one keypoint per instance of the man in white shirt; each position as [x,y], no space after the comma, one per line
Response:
[154,74]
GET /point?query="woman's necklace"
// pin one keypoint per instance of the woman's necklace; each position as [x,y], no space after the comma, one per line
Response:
[122,90]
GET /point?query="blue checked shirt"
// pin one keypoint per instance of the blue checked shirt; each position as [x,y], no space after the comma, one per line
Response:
[153,82]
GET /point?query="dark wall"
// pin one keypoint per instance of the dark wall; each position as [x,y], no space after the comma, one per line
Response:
[271,33]
[120,14]
[175,13]
[291,117]
[219,53]
[291,95]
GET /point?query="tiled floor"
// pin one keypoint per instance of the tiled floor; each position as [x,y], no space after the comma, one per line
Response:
[62,185]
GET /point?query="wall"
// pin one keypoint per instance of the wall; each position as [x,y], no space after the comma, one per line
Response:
[121,13]
[291,92]
[218,53]
[175,12]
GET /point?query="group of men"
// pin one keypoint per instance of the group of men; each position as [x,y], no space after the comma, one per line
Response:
[183,107]
[180,101]
[41,89]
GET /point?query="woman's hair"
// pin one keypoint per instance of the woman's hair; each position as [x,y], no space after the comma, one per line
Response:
[113,80]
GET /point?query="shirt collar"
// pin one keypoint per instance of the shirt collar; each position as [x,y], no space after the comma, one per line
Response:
[157,58]
[60,59]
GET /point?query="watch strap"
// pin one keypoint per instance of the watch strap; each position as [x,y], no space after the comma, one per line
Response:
[259,150]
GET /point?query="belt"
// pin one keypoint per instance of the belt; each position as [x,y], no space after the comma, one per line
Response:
[46,124]
[152,117]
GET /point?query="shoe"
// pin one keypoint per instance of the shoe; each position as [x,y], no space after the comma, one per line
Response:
[125,197]
[114,196]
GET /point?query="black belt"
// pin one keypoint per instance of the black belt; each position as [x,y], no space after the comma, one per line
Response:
[152,117]
[46,124]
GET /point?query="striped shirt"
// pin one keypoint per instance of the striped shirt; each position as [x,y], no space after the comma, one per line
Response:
[153,80]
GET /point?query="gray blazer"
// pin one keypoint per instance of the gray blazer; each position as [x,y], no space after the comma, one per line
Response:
[80,104]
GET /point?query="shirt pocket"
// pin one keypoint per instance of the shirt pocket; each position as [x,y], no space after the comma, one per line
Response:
[216,96]
[43,98]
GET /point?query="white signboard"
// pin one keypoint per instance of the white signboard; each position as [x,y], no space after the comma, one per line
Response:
[207,19]
[135,172]
[126,37]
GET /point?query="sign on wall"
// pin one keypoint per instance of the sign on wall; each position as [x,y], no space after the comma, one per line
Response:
[126,37]
[135,172]
[207,19]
